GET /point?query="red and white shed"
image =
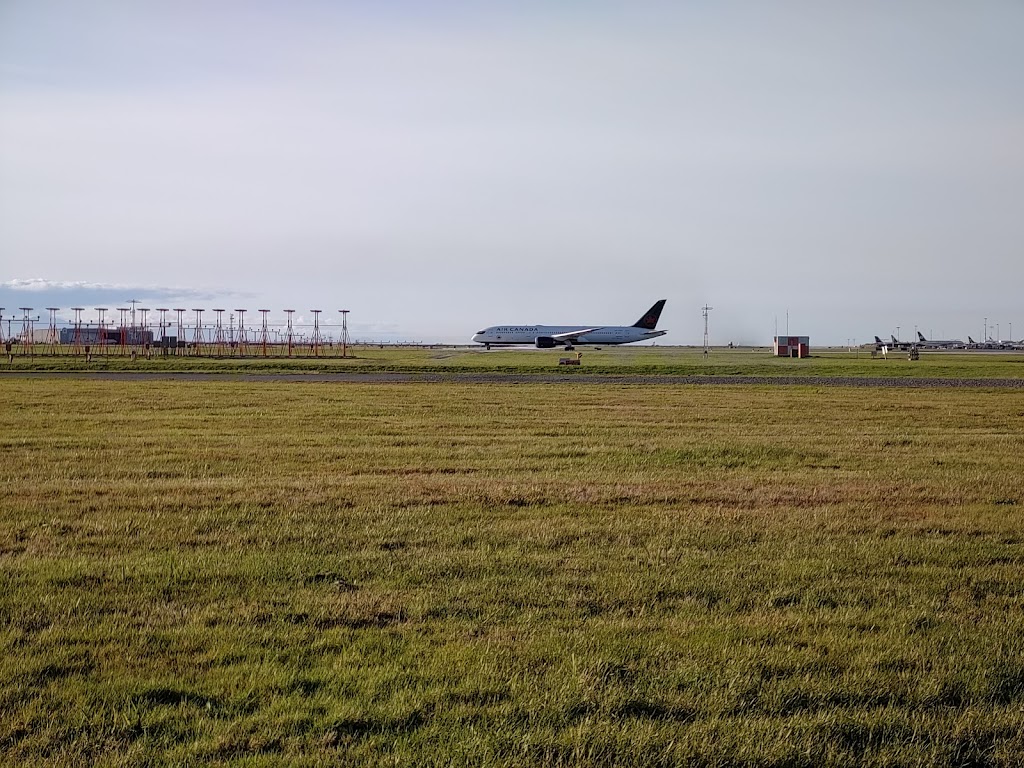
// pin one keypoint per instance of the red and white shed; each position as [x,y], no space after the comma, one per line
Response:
[792,346]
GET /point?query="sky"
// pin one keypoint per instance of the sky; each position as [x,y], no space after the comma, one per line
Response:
[437,167]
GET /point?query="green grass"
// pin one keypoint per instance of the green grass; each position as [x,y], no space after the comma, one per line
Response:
[258,574]
[626,360]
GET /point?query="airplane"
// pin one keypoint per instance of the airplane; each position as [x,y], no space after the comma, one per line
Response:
[999,344]
[551,336]
[893,344]
[938,343]
[987,344]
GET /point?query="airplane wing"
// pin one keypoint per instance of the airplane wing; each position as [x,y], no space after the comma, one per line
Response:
[573,335]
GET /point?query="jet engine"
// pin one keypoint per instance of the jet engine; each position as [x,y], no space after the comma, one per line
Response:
[545,342]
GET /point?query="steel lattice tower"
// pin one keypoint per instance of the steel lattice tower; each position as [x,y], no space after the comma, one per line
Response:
[344,332]
[101,330]
[52,340]
[289,313]
[123,330]
[76,338]
[26,331]
[143,330]
[180,341]
[265,332]
[316,332]
[162,341]
[218,333]
[243,341]
[197,339]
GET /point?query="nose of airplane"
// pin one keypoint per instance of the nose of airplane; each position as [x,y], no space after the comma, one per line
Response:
[476,338]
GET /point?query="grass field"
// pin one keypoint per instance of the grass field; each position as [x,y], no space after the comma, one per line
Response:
[625,360]
[572,574]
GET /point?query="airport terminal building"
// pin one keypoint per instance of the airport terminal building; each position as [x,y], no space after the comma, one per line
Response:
[95,336]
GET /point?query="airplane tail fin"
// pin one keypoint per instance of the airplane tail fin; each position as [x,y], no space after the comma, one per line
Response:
[920,336]
[971,341]
[893,339]
[651,316]
[878,340]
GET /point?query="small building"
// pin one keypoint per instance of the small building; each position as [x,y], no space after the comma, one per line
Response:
[792,346]
[94,335]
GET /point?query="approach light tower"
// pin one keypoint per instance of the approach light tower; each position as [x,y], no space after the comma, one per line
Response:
[344,332]
[52,338]
[197,339]
[288,313]
[315,345]
[243,342]
[265,334]
[180,343]
[705,309]
[76,339]
[101,329]
[27,334]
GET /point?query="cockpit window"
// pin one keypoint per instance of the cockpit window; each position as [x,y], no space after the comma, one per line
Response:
[481,333]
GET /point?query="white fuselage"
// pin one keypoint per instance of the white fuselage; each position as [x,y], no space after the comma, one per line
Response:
[528,334]
[939,343]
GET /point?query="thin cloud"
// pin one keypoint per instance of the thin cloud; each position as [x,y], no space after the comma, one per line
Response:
[84,289]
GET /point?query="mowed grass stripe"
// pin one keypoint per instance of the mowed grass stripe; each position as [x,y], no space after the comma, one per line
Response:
[629,360]
[514,575]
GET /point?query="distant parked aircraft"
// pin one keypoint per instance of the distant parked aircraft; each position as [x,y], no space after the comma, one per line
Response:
[550,336]
[1002,344]
[893,344]
[938,343]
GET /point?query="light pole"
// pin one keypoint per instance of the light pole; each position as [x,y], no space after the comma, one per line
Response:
[705,309]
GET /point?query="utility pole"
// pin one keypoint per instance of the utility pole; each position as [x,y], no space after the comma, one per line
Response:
[133,302]
[705,309]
